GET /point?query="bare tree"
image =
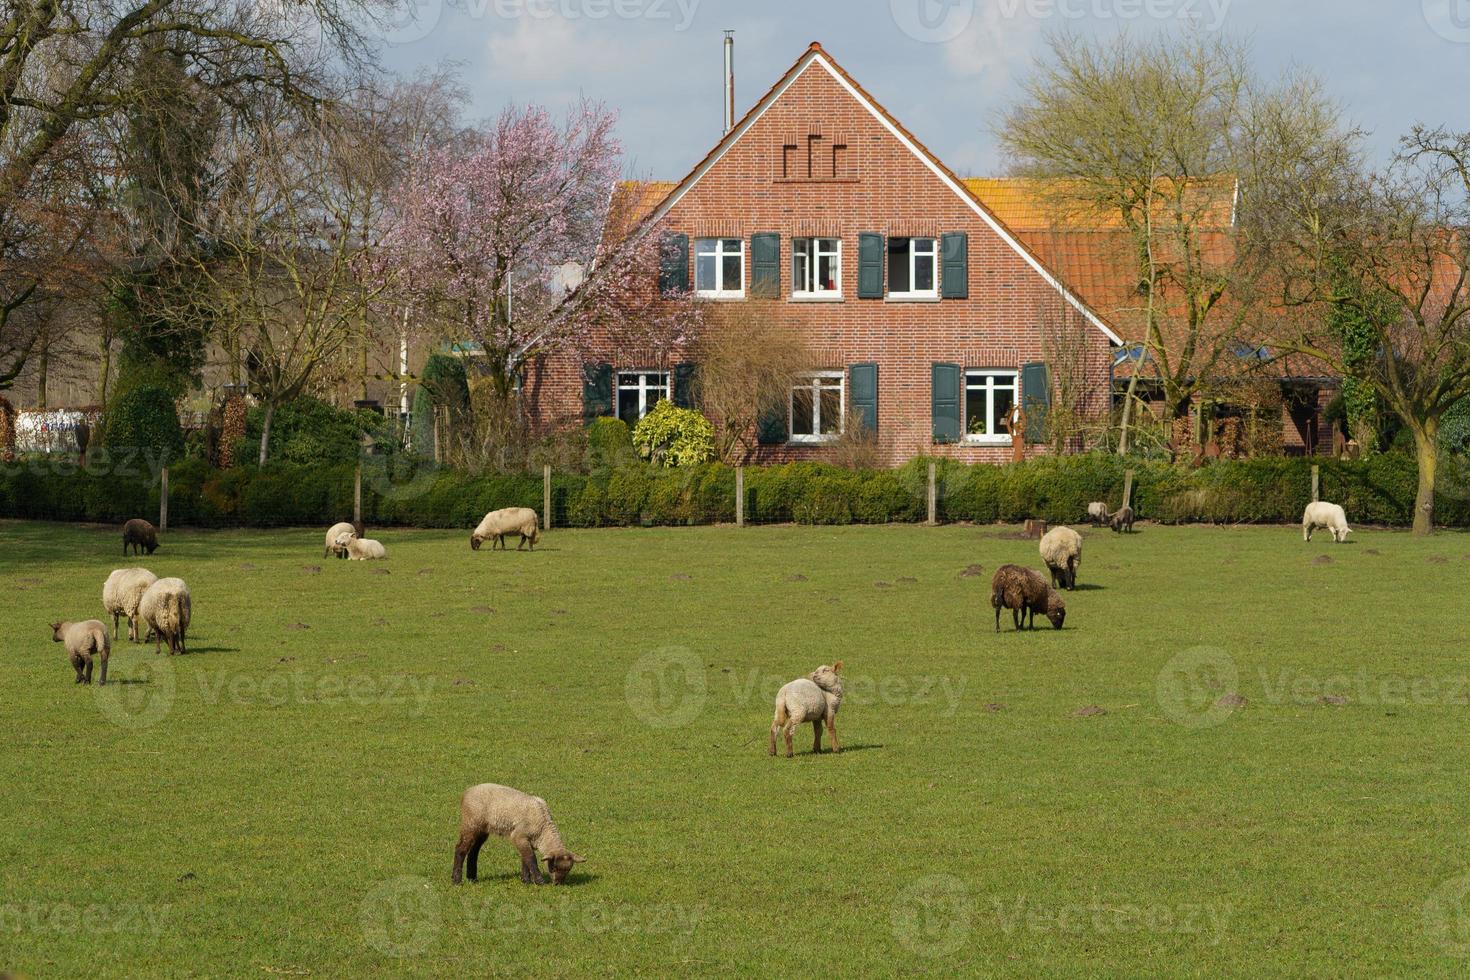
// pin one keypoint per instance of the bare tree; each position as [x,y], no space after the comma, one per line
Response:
[748,363]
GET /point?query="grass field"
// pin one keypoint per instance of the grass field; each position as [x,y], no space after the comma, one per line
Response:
[283,800]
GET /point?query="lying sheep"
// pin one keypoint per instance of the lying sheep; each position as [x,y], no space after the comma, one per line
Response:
[1061,550]
[1023,591]
[165,609]
[121,594]
[139,534]
[493,809]
[84,641]
[1325,515]
[1122,520]
[339,529]
[359,549]
[1097,513]
[814,698]
[510,520]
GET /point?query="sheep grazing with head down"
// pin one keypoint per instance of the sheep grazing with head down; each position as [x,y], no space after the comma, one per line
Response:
[166,608]
[1329,516]
[1061,549]
[1097,513]
[522,818]
[1023,591]
[121,594]
[1122,520]
[139,535]
[84,641]
[337,530]
[814,698]
[359,549]
[509,520]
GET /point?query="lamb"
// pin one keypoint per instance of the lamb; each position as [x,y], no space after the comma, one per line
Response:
[359,549]
[510,520]
[165,609]
[84,641]
[1023,591]
[1325,515]
[814,698]
[1097,513]
[121,594]
[1061,549]
[139,534]
[1122,520]
[493,809]
[337,530]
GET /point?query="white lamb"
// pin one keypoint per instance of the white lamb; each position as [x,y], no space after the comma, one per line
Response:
[1329,516]
[814,698]
[335,532]
[84,641]
[360,549]
[525,820]
[121,594]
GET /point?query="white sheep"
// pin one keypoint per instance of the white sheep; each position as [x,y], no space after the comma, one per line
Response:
[490,808]
[510,520]
[1098,513]
[1061,550]
[1330,516]
[121,594]
[83,641]
[359,549]
[166,608]
[336,531]
[814,698]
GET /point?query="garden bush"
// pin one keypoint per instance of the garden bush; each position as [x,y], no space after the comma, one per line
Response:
[144,422]
[308,431]
[673,436]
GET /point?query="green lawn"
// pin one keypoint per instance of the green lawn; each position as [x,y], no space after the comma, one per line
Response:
[283,800]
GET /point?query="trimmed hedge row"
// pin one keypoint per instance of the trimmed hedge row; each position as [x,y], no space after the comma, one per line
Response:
[406,492]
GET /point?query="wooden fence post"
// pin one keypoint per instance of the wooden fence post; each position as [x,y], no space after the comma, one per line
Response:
[357,495]
[163,500]
[933,496]
[1316,484]
[1128,488]
[546,496]
[740,496]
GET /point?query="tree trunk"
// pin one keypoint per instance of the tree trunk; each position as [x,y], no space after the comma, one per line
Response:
[1426,448]
[265,431]
[43,367]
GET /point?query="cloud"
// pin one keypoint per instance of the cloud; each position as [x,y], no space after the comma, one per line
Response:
[996,46]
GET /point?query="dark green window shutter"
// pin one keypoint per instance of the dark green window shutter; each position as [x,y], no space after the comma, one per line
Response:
[770,428]
[870,266]
[765,265]
[684,381]
[864,395]
[673,265]
[1035,399]
[954,253]
[597,391]
[948,386]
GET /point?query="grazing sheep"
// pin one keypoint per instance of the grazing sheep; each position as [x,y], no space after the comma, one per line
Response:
[510,520]
[1061,549]
[140,535]
[336,531]
[165,609]
[525,819]
[1122,520]
[1325,515]
[1023,591]
[814,698]
[359,549]
[84,641]
[121,594]
[1097,513]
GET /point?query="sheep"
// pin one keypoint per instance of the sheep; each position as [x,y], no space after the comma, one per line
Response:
[139,534]
[814,698]
[510,520]
[359,549]
[1097,513]
[1122,520]
[121,594]
[525,819]
[1023,591]
[84,641]
[1325,515]
[165,609]
[337,530]
[1061,550]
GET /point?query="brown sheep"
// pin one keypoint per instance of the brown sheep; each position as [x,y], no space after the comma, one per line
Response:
[140,535]
[1122,520]
[1024,591]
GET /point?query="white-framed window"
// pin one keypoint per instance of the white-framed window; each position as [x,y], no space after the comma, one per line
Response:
[818,406]
[990,394]
[913,267]
[816,267]
[639,391]
[719,267]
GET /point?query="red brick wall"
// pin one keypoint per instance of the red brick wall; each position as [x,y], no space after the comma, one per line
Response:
[890,191]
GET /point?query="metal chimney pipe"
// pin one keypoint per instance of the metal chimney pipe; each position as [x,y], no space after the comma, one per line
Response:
[729,81]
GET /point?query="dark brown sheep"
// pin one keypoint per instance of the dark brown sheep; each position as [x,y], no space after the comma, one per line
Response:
[1122,520]
[1023,591]
[140,535]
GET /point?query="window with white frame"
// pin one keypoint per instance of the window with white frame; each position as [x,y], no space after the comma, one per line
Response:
[818,405]
[913,267]
[990,394]
[639,391]
[816,267]
[719,267]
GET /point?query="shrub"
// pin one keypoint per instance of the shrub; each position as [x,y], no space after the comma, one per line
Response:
[308,431]
[673,436]
[609,442]
[144,420]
